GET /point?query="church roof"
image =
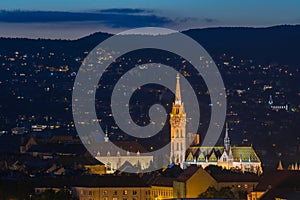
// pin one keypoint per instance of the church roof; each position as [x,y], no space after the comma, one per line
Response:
[121,148]
[244,153]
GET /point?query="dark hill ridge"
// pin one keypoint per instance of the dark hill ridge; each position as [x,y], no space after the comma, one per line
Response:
[274,44]
[278,44]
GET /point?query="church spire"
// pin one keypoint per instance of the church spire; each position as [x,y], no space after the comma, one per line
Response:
[178,129]
[106,135]
[270,100]
[226,139]
[226,131]
[280,166]
[177,95]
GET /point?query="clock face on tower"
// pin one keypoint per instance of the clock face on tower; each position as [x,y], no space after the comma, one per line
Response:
[177,121]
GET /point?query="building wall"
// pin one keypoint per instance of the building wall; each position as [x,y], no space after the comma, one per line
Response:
[198,183]
[194,186]
[179,189]
[111,193]
[161,192]
[254,167]
[255,195]
[40,190]
[112,163]
[96,169]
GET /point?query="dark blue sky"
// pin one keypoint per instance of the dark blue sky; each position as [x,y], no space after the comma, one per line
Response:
[75,18]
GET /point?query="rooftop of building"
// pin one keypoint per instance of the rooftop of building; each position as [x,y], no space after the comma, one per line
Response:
[106,181]
[239,153]
[279,184]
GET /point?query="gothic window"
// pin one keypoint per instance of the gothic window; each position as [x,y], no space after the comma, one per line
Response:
[177,146]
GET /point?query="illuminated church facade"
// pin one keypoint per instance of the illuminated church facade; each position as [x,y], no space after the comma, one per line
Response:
[243,158]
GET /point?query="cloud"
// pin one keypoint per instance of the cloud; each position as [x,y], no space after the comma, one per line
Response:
[210,20]
[126,11]
[125,18]
[194,20]
[185,20]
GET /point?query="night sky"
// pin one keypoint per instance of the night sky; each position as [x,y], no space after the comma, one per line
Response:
[76,18]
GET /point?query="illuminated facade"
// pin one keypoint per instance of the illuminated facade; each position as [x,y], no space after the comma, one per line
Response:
[243,158]
[114,159]
[178,128]
[239,158]
[196,180]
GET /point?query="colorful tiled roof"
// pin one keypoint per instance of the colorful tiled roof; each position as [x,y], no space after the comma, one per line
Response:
[245,154]
[240,153]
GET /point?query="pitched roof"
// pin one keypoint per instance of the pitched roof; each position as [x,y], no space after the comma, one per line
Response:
[235,177]
[171,171]
[92,181]
[52,148]
[163,181]
[126,146]
[282,176]
[286,181]
[188,173]
[245,153]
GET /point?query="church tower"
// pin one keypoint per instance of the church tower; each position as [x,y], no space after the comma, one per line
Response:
[178,128]
[226,139]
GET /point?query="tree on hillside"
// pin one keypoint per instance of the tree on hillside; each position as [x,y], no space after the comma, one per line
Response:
[212,192]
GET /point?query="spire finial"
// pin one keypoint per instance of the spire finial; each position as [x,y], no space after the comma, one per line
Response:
[226,131]
[177,95]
